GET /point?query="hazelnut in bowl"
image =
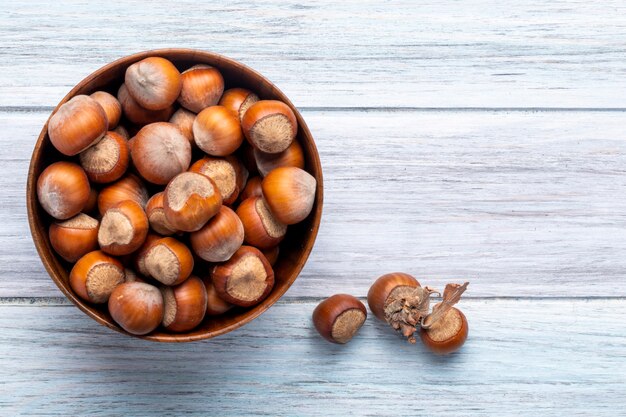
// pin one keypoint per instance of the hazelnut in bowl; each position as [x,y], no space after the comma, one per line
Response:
[174,195]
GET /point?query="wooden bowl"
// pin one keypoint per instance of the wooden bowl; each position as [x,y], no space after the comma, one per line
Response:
[294,250]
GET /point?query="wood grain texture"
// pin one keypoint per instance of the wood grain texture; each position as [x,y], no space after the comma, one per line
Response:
[521,358]
[327,53]
[519,203]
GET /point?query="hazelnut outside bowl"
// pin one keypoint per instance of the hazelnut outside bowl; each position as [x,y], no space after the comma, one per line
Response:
[295,249]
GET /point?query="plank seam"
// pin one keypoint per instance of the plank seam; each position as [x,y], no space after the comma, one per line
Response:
[62,301]
[35,109]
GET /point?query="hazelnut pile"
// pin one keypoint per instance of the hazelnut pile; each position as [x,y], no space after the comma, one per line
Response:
[399,300]
[138,216]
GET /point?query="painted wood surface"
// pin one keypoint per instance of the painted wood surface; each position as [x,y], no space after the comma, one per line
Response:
[520,203]
[427,170]
[540,357]
[347,53]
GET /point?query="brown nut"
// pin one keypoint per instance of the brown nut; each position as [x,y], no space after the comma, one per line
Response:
[123,228]
[446,335]
[238,101]
[289,193]
[385,287]
[245,279]
[153,82]
[261,228]
[339,318]
[399,300]
[293,156]
[168,261]
[128,188]
[252,189]
[160,152]
[140,255]
[132,276]
[122,131]
[78,124]
[156,216]
[183,119]
[246,155]
[111,107]
[270,126]
[220,237]
[271,254]
[75,237]
[215,305]
[203,86]
[137,307]
[137,114]
[107,160]
[92,202]
[190,200]
[217,131]
[95,275]
[185,305]
[63,190]
[228,174]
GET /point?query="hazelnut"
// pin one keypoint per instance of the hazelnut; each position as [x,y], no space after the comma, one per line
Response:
[160,151]
[228,174]
[190,200]
[290,157]
[75,237]
[92,202]
[238,101]
[252,189]
[128,188]
[139,115]
[122,131]
[215,305]
[447,334]
[217,131]
[270,126]
[107,160]
[339,318]
[140,254]
[271,254]
[185,305]
[63,190]
[95,275]
[78,124]
[112,108]
[156,216]
[137,307]
[123,228]
[203,86]
[183,119]
[168,261]
[220,237]
[261,228]
[289,193]
[245,279]
[154,83]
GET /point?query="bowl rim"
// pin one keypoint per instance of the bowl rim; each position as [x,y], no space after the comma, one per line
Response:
[44,251]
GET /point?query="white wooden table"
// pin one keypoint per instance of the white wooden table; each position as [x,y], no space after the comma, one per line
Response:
[477,139]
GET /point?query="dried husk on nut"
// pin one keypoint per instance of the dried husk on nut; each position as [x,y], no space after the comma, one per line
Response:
[406,307]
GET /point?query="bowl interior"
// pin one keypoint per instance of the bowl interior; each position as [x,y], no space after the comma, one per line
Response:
[294,250]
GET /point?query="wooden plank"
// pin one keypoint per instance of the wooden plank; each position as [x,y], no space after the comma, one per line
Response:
[522,357]
[520,203]
[357,53]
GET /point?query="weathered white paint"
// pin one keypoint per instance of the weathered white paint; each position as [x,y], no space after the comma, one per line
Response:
[547,358]
[519,203]
[338,53]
